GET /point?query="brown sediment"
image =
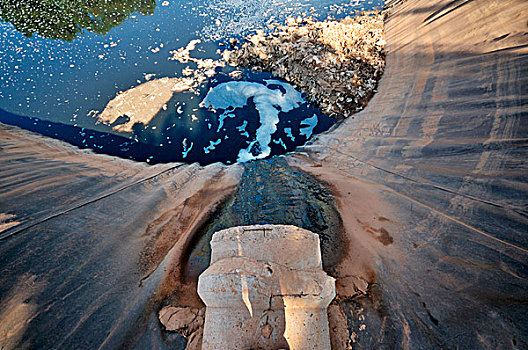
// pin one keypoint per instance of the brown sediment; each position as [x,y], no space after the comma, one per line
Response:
[178,225]
[337,64]
[19,307]
[363,213]
[7,221]
[360,207]
[381,234]
[141,103]
[171,234]
[187,321]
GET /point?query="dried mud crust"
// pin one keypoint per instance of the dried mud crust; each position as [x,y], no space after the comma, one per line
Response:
[337,64]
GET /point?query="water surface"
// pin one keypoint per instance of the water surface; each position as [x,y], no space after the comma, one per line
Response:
[63,62]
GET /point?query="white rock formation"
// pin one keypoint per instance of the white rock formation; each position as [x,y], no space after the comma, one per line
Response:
[265,289]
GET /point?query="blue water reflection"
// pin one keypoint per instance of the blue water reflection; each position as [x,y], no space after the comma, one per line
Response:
[65,83]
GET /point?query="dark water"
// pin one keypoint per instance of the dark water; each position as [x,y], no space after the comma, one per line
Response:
[63,61]
[271,192]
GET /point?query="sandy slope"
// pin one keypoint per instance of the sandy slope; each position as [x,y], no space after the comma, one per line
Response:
[431,180]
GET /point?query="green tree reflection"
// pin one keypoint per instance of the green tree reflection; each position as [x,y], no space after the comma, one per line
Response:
[65,19]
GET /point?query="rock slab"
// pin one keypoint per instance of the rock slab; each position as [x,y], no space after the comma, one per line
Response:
[266,288]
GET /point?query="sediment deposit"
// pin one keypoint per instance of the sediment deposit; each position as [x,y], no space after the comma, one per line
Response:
[141,103]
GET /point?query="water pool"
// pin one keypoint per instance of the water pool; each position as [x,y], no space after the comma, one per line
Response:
[64,65]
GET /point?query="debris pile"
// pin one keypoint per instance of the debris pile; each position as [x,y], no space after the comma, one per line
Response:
[205,68]
[337,64]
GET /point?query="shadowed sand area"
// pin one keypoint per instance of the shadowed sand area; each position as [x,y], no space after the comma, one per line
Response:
[430,182]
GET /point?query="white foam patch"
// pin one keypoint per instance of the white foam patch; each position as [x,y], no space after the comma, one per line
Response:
[268,102]
[242,129]
[221,119]
[212,146]
[232,18]
[280,142]
[309,124]
[288,132]
[186,149]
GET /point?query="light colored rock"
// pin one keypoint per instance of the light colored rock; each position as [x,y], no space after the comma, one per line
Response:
[266,289]
[184,319]
[289,243]
[187,321]
[339,334]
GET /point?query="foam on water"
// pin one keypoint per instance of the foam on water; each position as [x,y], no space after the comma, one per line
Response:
[280,142]
[288,132]
[186,149]
[242,129]
[268,102]
[309,125]
[212,146]
[221,119]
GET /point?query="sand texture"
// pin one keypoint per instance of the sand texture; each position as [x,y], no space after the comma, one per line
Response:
[82,267]
[430,180]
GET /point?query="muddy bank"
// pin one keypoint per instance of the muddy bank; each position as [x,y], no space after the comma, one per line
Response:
[274,192]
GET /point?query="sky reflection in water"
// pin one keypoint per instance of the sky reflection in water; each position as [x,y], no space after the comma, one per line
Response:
[75,57]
